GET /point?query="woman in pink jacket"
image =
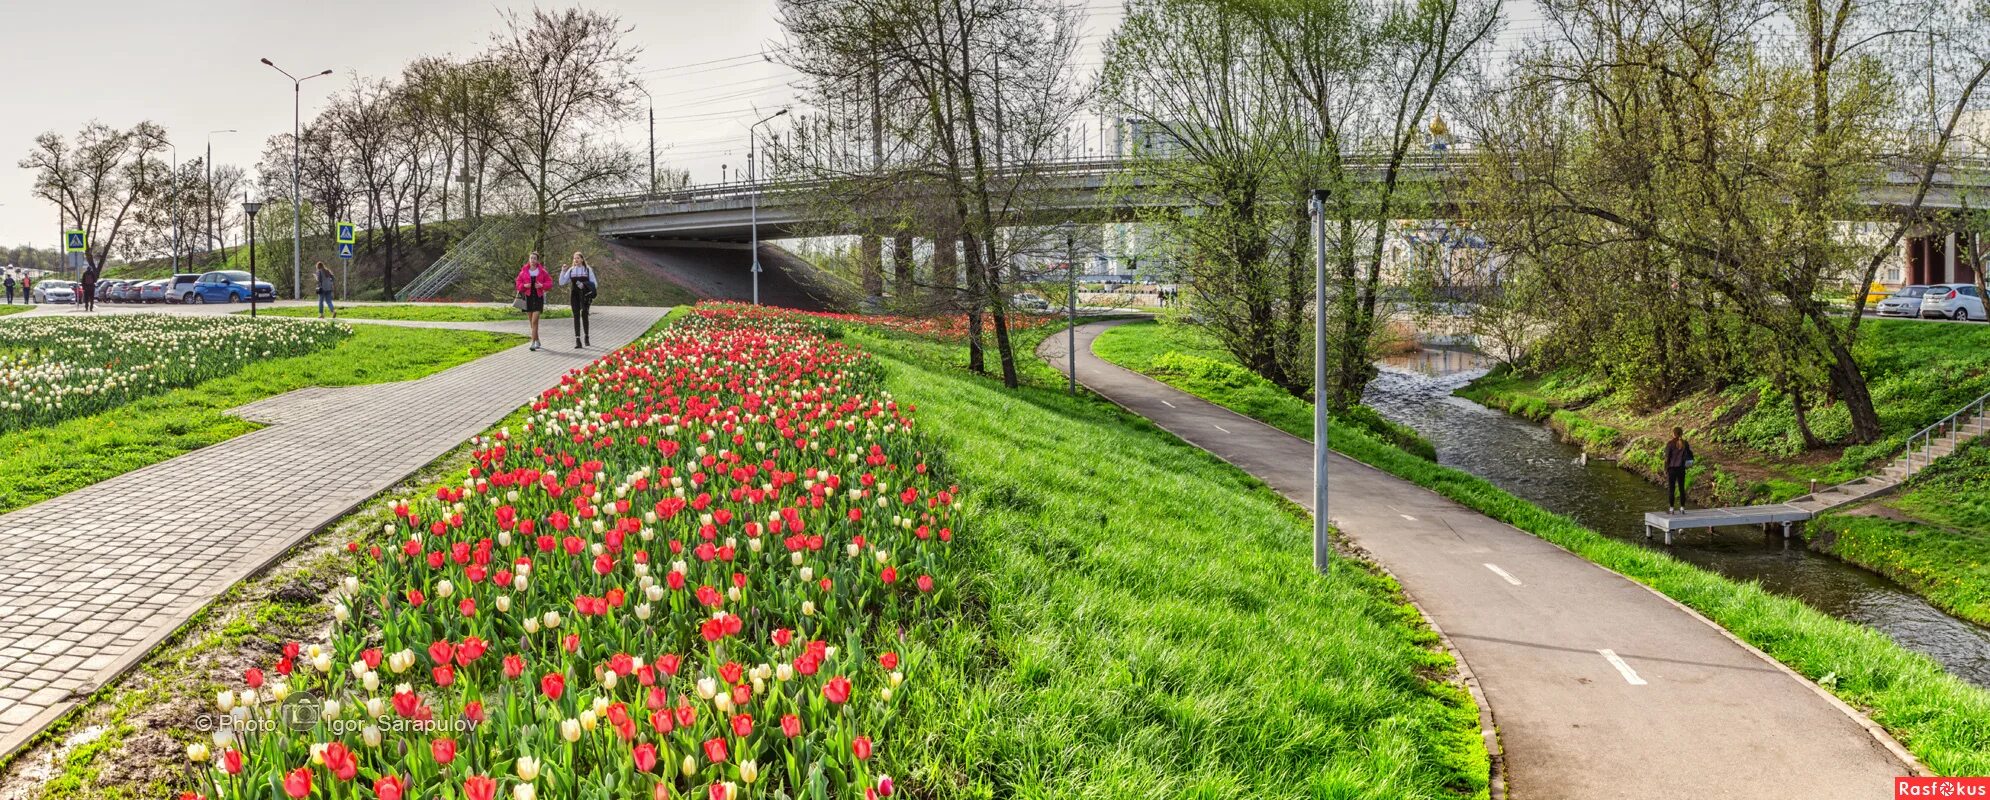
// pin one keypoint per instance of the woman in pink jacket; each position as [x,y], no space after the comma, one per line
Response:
[533,282]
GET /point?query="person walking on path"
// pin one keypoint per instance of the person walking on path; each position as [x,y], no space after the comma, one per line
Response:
[27,288]
[533,282]
[89,282]
[10,288]
[326,284]
[585,285]
[1678,457]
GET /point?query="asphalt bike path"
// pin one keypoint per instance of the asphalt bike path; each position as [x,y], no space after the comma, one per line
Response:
[1599,687]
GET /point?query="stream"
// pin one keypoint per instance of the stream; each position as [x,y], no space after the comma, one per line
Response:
[1526,459]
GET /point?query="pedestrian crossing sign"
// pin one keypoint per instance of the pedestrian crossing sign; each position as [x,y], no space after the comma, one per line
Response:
[74,241]
[345,250]
[346,236]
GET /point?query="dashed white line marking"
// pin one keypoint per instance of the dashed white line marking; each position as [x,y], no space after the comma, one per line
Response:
[1504,574]
[1407,517]
[1630,675]
[1219,427]
[1168,404]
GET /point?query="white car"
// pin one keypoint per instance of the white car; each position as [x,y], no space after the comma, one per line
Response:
[1953,300]
[1903,303]
[53,291]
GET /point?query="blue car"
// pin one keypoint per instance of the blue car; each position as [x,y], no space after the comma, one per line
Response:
[230,286]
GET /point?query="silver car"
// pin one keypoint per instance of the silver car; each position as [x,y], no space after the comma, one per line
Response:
[1957,301]
[52,291]
[1903,303]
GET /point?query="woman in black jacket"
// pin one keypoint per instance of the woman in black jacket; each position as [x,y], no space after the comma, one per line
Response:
[584,284]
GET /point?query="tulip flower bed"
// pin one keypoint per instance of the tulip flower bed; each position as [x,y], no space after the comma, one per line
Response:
[691,571]
[56,368]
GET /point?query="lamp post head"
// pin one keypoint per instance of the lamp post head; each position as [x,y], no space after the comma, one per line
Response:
[250,207]
[781,113]
[268,62]
[326,72]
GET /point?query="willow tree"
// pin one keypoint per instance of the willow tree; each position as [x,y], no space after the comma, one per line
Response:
[1261,102]
[1737,157]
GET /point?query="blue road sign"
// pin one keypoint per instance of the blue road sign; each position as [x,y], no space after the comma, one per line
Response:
[345,250]
[74,241]
[346,234]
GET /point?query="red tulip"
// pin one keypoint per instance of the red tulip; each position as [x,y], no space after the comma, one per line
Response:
[645,756]
[441,652]
[297,782]
[444,675]
[254,677]
[715,750]
[514,666]
[862,748]
[390,787]
[552,685]
[479,787]
[339,759]
[837,690]
[791,726]
[444,750]
[231,761]
[742,725]
[888,661]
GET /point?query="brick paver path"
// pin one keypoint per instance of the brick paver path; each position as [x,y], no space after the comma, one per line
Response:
[95,578]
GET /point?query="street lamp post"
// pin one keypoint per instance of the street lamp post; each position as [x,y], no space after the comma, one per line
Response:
[752,145]
[211,222]
[296,181]
[652,104]
[1322,544]
[173,176]
[250,208]
[1071,302]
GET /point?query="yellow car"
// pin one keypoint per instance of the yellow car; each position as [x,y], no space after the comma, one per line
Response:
[1874,294]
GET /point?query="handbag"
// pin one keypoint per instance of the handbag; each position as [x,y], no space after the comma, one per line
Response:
[518,302]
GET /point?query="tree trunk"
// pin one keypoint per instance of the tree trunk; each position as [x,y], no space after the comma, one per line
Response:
[870,265]
[946,263]
[977,360]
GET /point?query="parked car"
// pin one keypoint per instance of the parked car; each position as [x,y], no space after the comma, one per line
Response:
[230,286]
[125,291]
[104,287]
[1953,300]
[153,291]
[179,288]
[1903,303]
[1029,302]
[1875,293]
[54,291]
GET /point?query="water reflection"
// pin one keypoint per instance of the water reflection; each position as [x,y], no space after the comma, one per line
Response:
[1524,458]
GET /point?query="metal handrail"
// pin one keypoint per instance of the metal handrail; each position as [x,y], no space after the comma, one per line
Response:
[1927,435]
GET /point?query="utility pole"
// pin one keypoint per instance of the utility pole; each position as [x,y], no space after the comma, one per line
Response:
[212,224]
[1071,302]
[752,145]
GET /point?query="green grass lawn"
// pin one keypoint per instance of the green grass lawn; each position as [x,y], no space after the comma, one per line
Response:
[15,309]
[1188,359]
[421,312]
[1944,552]
[1146,620]
[47,461]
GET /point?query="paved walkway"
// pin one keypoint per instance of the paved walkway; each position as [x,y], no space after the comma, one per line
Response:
[97,577]
[1600,687]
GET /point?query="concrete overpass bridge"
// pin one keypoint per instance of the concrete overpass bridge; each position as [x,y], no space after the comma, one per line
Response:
[1109,190]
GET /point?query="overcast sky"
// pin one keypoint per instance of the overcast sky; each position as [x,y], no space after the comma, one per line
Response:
[191,65]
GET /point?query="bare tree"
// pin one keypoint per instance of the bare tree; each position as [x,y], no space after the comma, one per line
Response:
[100,179]
[567,71]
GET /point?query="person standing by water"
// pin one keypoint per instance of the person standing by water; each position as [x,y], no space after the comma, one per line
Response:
[533,282]
[585,285]
[1678,458]
[327,283]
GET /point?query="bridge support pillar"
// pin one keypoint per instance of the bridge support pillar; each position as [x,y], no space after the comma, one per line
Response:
[903,284]
[870,261]
[946,263]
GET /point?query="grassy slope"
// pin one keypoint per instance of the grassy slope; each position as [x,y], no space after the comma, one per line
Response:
[1152,625]
[1943,553]
[1187,359]
[1918,373]
[439,312]
[1942,720]
[15,309]
[44,462]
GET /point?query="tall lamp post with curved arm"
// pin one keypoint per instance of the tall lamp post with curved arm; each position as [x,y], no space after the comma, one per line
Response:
[296,179]
[752,148]
[250,207]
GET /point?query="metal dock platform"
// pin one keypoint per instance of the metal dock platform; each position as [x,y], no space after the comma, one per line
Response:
[1787,514]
